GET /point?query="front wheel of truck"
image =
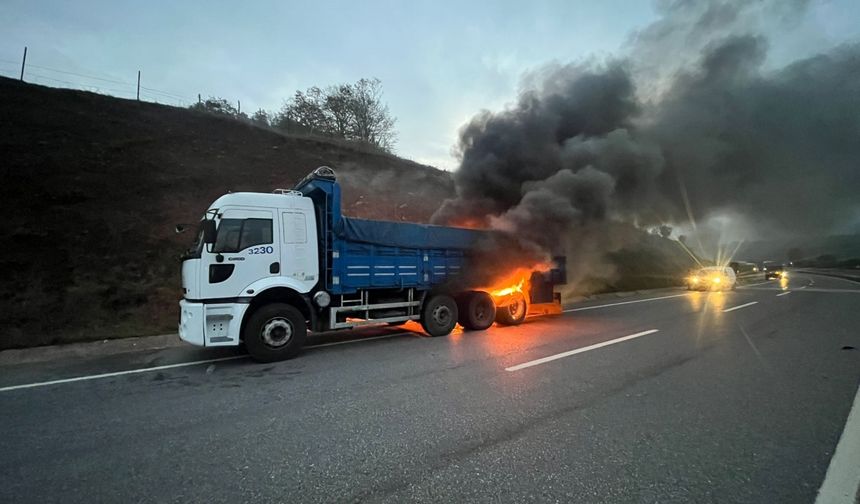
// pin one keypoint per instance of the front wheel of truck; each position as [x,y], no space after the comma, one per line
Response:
[275,332]
[439,315]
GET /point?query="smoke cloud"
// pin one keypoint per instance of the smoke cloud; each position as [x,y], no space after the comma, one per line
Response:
[689,125]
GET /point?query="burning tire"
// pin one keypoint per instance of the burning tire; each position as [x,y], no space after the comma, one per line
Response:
[514,311]
[477,310]
[439,315]
[275,332]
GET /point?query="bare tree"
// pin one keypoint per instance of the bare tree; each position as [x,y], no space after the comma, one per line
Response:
[261,117]
[216,105]
[372,122]
[351,111]
[338,100]
[308,110]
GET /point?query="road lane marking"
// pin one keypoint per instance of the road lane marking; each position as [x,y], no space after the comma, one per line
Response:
[177,365]
[119,373]
[739,307]
[621,303]
[805,286]
[783,293]
[579,350]
[753,285]
[816,289]
[843,474]
[856,280]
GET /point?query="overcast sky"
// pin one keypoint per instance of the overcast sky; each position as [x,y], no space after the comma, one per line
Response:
[439,62]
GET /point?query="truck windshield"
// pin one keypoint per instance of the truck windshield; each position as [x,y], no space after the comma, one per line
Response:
[196,248]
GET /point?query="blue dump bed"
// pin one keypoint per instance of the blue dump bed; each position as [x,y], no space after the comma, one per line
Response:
[382,254]
[365,254]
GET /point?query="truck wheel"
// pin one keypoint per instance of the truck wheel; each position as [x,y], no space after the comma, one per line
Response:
[514,312]
[275,332]
[439,315]
[477,311]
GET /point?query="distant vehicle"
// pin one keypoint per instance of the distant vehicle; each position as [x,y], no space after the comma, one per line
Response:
[773,269]
[713,278]
[743,267]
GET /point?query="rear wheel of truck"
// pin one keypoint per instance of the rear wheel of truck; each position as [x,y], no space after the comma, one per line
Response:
[275,332]
[477,310]
[439,315]
[514,312]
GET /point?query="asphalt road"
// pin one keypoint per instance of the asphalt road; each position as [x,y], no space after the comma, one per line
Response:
[716,405]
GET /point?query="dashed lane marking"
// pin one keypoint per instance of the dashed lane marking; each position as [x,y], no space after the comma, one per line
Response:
[739,307]
[551,358]
[621,303]
[843,475]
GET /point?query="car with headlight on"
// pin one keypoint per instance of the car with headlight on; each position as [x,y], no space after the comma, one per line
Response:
[712,278]
[773,269]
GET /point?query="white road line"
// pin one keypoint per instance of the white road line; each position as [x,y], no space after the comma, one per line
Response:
[783,293]
[753,285]
[171,366]
[119,373]
[739,307]
[833,277]
[843,475]
[814,289]
[805,286]
[579,350]
[621,303]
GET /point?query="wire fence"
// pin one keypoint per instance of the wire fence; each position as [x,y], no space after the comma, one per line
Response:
[86,80]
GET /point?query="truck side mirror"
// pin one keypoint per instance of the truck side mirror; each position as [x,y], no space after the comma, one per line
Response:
[208,231]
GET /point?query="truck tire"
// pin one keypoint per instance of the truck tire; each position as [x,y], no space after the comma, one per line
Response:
[275,332]
[439,315]
[477,310]
[514,312]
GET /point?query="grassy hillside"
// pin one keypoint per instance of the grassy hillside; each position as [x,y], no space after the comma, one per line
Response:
[93,185]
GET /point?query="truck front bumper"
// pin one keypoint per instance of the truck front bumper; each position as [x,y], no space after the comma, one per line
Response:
[208,324]
[191,324]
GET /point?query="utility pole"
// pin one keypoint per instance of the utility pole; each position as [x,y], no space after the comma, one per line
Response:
[199,100]
[138,85]
[240,106]
[23,62]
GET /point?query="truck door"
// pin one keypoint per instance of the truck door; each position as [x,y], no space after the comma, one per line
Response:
[245,250]
[299,253]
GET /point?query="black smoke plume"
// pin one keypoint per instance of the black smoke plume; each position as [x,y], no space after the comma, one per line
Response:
[592,151]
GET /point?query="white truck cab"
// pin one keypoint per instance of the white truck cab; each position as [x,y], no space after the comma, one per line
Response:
[263,241]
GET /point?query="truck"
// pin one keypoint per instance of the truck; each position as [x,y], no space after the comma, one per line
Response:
[268,268]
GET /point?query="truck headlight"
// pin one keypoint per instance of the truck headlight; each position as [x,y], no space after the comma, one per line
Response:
[322,299]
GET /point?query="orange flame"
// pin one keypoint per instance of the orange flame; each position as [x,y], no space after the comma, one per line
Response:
[468,222]
[509,290]
[516,281]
